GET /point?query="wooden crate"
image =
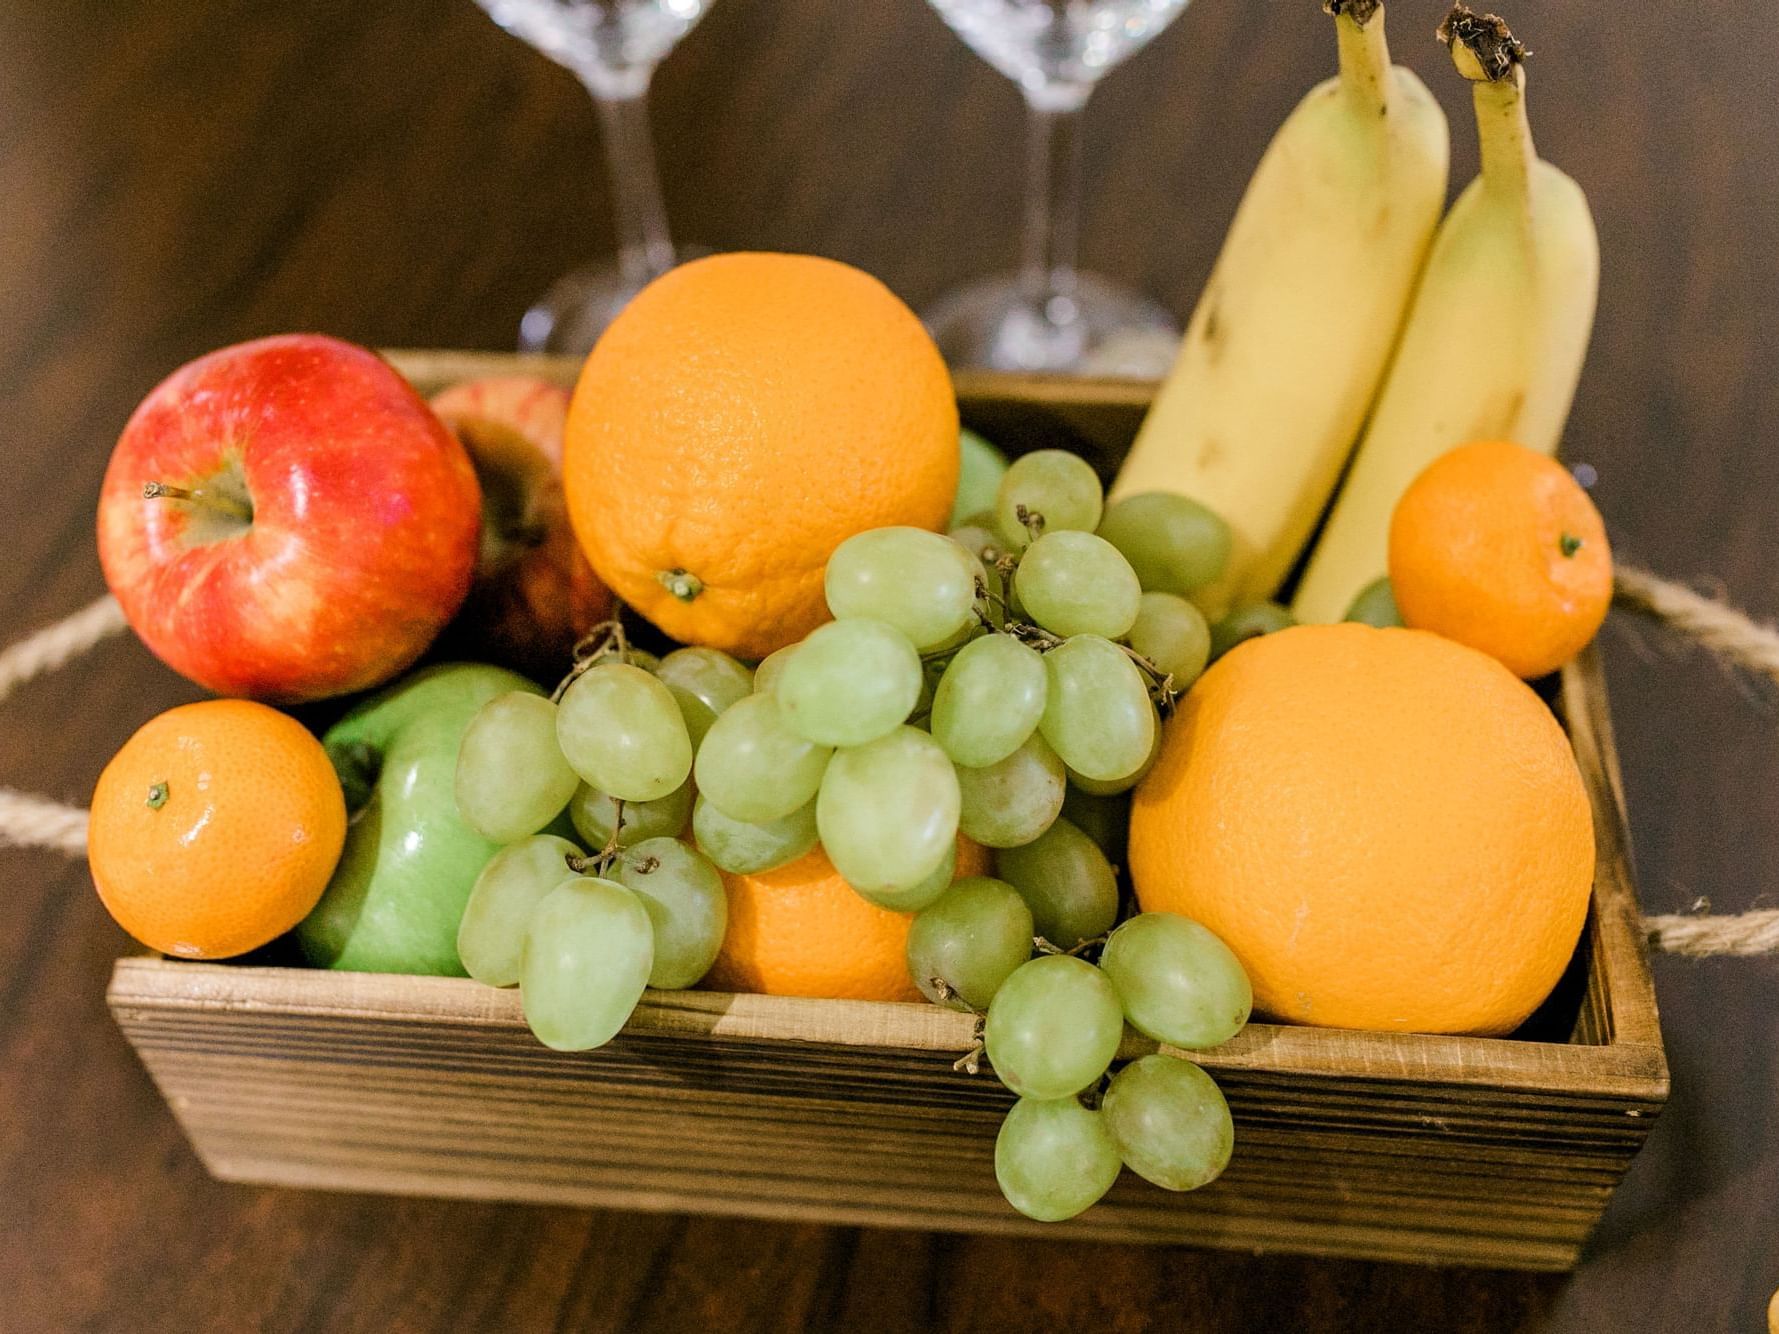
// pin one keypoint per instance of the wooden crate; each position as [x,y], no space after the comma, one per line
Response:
[1480,1151]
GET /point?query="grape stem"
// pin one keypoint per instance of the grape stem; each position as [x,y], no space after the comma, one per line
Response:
[970,1063]
[1075,951]
[601,862]
[1161,684]
[947,992]
[1091,1096]
[607,639]
[1031,520]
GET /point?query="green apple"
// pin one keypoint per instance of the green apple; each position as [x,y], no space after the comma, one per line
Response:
[399,891]
[981,467]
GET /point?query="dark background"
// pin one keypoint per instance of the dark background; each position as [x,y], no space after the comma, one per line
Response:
[174,177]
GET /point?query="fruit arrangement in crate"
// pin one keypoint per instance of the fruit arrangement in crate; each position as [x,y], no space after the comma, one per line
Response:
[745,668]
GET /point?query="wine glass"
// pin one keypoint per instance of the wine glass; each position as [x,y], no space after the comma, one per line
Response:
[1050,316]
[612,46]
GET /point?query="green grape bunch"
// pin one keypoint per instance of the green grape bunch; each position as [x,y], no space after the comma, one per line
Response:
[1008,682]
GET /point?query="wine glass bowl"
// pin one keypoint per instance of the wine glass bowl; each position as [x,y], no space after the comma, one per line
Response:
[613,47]
[1057,50]
[1049,316]
[616,42]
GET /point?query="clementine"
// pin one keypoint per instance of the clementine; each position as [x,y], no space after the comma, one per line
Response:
[1387,827]
[215,828]
[803,931]
[743,416]
[1498,547]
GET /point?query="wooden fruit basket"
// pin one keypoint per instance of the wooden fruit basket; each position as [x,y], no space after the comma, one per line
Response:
[1497,1152]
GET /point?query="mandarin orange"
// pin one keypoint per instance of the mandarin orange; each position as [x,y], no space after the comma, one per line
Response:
[1498,547]
[742,417]
[802,931]
[215,829]
[1389,829]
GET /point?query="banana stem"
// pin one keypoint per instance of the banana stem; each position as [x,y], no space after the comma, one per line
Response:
[1364,60]
[1506,136]
[1488,54]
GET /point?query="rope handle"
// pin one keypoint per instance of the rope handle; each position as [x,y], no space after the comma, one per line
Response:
[1731,636]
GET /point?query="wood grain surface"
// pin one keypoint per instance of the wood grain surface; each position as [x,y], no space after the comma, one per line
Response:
[181,176]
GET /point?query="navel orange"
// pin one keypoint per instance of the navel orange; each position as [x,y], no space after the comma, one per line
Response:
[743,416]
[1498,547]
[215,829]
[1388,828]
[802,931]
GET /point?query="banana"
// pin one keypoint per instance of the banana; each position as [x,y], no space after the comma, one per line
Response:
[1291,337]
[1494,344]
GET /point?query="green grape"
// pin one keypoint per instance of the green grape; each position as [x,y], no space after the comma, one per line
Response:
[622,731]
[1077,584]
[1171,633]
[589,949]
[919,582]
[1248,622]
[980,469]
[1013,801]
[491,936]
[971,937]
[1053,1027]
[1097,715]
[1174,544]
[978,537]
[1056,490]
[766,674]
[704,682]
[1112,787]
[1376,605]
[1170,1122]
[1066,881]
[888,811]
[754,767]
[743,848]
[989,700]
[595,816]
[1179,983]
[1103,817]
[511,777]
[688,909]
[851,682]
[1054,1158]
[923,894]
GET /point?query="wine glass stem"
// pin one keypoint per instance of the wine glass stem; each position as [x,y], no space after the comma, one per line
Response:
[645,250]
[1053,199]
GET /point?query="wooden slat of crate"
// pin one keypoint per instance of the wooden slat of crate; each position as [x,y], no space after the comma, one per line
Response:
[1391,1146]
[434,1086]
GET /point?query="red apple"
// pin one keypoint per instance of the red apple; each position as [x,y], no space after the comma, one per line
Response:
[534,594]
[286,519]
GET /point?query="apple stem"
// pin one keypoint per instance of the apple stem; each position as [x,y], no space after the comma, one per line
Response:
[209,499]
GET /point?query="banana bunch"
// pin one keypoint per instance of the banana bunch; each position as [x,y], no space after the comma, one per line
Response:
[1294,330]
[1494,342]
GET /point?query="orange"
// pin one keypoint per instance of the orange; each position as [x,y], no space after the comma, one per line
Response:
[215,829]
[802,931]
[1388,828]
[1498,547]
[742,417]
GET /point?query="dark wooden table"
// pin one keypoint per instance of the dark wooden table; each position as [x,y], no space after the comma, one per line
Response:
[176,177]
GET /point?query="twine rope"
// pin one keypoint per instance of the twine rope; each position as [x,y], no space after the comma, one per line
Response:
[1731,636]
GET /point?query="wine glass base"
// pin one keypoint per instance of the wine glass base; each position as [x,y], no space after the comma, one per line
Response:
[569,318]
[1100,328]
